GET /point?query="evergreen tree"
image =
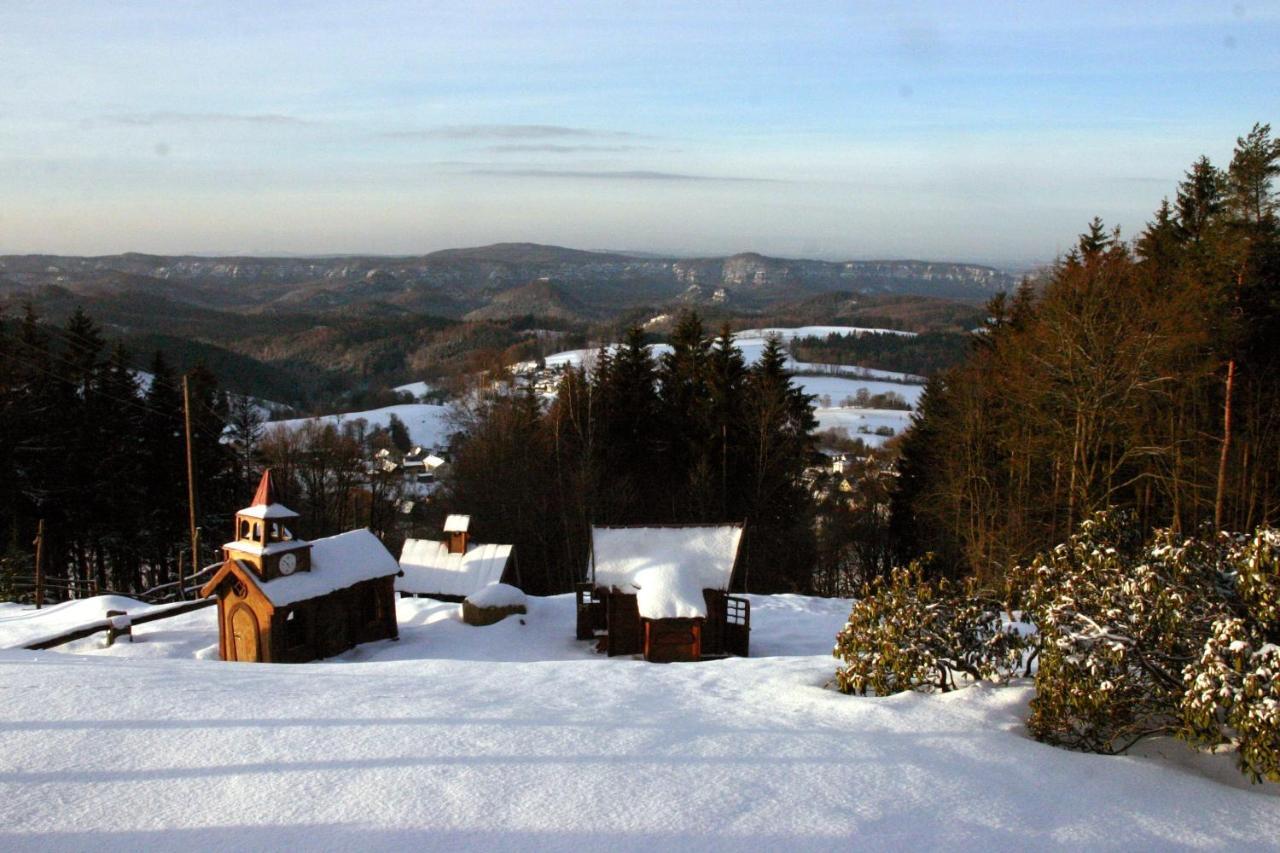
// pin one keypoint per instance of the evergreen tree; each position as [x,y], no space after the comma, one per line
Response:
[1199,201]
[400,438]
[629,435]
[1143,379]
[727,410]
[685,420]
[1254,166]
[780,423]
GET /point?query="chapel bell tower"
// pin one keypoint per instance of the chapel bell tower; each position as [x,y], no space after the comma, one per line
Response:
[264,541]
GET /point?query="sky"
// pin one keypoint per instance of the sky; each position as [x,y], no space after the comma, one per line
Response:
[987,132]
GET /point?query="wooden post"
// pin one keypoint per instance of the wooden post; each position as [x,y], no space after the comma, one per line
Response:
[113,632]
[191,489]
[40,564]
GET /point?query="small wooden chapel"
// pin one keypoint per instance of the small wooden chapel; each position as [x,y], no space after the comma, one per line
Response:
[285,600]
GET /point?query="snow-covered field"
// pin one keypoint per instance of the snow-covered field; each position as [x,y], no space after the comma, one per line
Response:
[417,389]
[752,342]
[836,382]
[517,737]
[426,422]
[428,426]
[854,421]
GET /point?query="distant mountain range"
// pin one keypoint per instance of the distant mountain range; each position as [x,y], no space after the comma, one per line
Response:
[488,282]
[304,330]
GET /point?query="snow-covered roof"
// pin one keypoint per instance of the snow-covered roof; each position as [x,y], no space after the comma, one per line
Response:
[457,523]
[433,461]
[498,595]
[268,511]
[337,562]
[429,568]
[666,567]
[248,546]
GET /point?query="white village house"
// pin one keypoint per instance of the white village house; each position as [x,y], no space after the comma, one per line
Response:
[663,592]
[455,568]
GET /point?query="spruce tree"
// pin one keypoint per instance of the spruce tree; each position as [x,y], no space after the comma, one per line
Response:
[684,418]
[780,424]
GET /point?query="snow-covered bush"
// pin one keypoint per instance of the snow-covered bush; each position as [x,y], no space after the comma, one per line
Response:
[1117,622]
[911,634]
[1233,689]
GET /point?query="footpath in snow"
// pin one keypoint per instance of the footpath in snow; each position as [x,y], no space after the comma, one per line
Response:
[518,737]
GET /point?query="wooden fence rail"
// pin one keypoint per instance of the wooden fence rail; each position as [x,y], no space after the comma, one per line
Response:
[158,594]
[119,624]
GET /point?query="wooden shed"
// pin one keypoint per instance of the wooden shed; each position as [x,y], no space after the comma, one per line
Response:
[286,600]
[456,567]
[663,592]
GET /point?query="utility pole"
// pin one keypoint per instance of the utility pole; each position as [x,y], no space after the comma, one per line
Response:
[1225,453]
[191,490]
[40,564]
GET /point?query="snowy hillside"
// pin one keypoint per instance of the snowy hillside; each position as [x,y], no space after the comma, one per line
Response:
[752,342]
[517,737]
[835,385]
[426,422]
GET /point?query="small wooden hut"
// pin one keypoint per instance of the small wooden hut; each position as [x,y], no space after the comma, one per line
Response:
[663,592]
[285,600]
[452,569]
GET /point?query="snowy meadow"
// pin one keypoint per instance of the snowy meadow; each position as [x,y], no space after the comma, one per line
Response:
[518,737]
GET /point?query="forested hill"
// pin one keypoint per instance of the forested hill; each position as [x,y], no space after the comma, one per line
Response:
[454,282]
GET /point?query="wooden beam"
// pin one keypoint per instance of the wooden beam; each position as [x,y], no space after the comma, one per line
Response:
[91,628]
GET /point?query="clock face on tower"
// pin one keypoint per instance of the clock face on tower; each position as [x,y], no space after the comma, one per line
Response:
[288,562]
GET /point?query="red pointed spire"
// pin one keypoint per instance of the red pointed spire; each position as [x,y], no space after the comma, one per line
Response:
[266,494]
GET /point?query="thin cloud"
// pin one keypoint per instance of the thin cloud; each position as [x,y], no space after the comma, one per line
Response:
[509,131]
[628,175]
[554,148]
[154,119]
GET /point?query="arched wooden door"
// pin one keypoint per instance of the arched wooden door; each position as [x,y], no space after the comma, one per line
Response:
[244,635]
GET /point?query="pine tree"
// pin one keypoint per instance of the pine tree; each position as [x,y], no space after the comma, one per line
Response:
[685,420]
[629,434]
[1095,241]
[399,435]
[1199,201]
[1254,166]
[726,397]
[780,424]
[164,517]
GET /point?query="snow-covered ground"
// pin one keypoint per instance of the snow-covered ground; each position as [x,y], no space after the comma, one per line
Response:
[752,342]
[839,388]
[427,423]
[863,423]
[517,737]
[789,332]
[21,625]
[417,389]
[838,382]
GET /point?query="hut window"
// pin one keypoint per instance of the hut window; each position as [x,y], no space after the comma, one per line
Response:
[244,529]
[257,531]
